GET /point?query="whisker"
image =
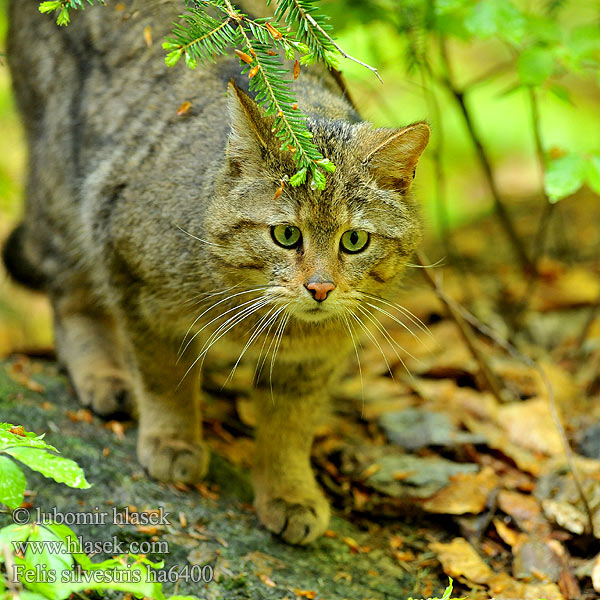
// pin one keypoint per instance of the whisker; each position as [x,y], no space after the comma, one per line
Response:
[279,337]
[362,383]
[407,313]
[437,263]
[197,238]
[223,330]
[262,324]
[387,336]
[260,365]
[373,339]
[181,352]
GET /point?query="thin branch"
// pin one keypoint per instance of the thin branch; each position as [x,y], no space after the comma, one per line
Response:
[505,221]
[490,379]
[587,327]
[540,238]
[337,47]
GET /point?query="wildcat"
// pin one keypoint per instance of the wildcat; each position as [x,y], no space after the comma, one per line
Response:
[146,228]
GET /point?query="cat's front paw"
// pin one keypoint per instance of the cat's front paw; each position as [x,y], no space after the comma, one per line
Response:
[105,395]
[297,520]
[168,459]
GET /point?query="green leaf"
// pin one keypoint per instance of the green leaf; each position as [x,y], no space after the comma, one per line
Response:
[326,164]
[498,18]
[46,7]
[13,533]
[29,439]
[63,17]
[564,176]
[172,58]
[318,179]
[190,61]
[535,65]
[12,483]
[298,178]
[46,553]
[62,470]
[562,93]
[593,173]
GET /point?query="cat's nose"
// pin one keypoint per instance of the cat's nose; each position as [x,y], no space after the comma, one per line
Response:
[319,289]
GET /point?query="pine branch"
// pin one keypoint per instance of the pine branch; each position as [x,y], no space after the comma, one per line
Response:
[303,31]
[313,29]
[63,7]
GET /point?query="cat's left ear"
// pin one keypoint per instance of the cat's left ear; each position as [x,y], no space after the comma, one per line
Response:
[251,136]
[393,161]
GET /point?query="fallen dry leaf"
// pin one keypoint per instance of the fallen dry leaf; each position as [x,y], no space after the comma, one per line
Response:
[529,424]
[523,508]
[184,108]
[266,580]
[466,493]
[459,559]
[596,573]
[507,535]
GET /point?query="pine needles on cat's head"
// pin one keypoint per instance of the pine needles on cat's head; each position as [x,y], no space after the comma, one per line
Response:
[298,31]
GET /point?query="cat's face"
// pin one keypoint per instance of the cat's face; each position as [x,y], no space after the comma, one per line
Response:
[321,253]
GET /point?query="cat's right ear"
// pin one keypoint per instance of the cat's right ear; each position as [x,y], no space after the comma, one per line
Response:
[250,132]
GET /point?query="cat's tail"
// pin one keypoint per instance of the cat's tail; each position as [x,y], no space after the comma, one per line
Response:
[17,263]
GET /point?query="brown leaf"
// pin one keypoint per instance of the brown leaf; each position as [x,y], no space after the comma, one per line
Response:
[466,493]
[529,424]
[596,573]
[243,56]
[266,580]
[310,594]
[81,415]
[459,559]
[253,71]
[184,108]
[296,69]
[277,35]
[523,508]
[352,544]
[148,35]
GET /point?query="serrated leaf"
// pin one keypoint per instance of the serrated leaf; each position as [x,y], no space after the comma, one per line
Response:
[45,548]
[535,65]
[62,470]
[8,439]
[593,173]
[13,533]
[564,176]
[12,483]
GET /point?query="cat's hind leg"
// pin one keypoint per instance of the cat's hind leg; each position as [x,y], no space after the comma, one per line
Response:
[89,346]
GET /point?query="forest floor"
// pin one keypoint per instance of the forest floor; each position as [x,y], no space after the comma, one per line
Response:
[446,458]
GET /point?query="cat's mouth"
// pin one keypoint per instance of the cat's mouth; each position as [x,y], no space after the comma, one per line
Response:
[314,314]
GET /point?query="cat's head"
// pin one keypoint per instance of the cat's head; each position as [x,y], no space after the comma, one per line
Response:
[320,252]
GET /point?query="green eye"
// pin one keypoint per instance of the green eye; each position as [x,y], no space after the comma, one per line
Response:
[354,241]
[287,236]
